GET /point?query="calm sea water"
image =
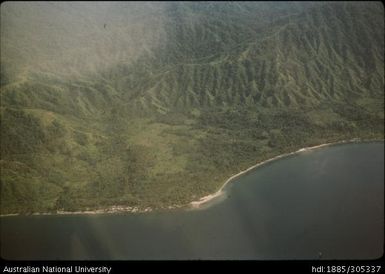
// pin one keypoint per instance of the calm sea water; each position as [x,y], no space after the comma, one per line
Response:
[328,201]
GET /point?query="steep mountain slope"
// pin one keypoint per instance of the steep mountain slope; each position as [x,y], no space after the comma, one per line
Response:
[326,53]
[156,104]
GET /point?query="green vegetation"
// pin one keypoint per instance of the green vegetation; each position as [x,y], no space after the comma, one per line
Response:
[206,90]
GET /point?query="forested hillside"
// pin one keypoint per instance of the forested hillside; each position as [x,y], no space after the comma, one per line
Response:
[156,104]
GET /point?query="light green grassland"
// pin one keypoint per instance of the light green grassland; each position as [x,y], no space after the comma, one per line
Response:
[213,88]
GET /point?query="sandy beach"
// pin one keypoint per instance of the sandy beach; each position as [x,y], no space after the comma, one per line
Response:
[210,197]
[194,204]
[112,209]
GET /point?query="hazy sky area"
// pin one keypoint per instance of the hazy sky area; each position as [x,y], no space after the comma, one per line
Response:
[76,37]
[156,104]
[73,37]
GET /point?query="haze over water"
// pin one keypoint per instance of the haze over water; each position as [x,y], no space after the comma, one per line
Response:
[328,201]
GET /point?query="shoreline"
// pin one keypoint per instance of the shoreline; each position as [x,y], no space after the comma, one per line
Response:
[107,210]
[111,209]
[197,204]
[192,205]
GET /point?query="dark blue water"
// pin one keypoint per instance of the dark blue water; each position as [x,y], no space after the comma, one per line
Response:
[328,201]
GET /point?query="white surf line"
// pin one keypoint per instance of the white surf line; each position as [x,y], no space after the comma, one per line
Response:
[205,199]
[194,204]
